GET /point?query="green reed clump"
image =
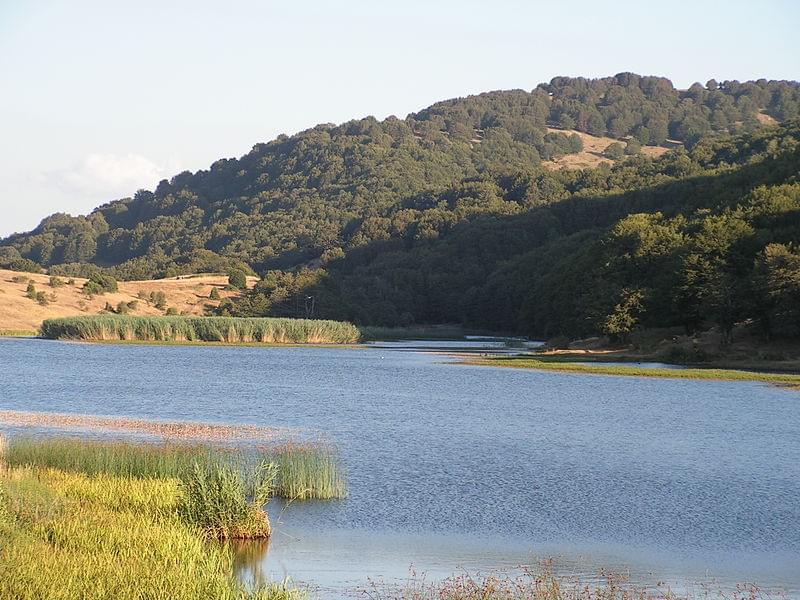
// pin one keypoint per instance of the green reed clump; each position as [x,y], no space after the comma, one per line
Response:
[230,330]
[225,503]
[305,471]
[124,459]
[297,471]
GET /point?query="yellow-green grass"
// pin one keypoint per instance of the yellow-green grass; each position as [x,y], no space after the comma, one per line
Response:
[18,333]
[295,471]
[229,330]
[69,535]
[570,366]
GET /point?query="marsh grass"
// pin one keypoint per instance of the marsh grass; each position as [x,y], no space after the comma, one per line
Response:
[294,471]
[306,471]
[228,330]
[599,368]
[224,503]
[69,535]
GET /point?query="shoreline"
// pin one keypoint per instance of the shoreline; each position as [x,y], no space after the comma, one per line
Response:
[578,366]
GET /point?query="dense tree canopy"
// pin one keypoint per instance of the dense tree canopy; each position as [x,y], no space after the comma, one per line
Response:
[449,216]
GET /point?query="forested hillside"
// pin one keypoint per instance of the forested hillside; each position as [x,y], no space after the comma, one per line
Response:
[448,215]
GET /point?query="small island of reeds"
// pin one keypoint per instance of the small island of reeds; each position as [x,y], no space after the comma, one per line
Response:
[180,329]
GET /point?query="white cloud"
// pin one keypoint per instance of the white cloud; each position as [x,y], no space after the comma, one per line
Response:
[111,176]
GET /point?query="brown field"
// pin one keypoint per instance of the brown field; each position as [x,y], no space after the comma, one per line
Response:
[188,294]
[592,154]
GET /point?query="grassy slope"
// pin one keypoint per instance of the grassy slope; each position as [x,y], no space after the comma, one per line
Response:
[592,154]
[20,314]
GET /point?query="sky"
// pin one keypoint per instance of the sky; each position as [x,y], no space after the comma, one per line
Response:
[101,98]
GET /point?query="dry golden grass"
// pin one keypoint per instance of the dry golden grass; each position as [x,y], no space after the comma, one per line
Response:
[187,294]
[592,154]
[766,119]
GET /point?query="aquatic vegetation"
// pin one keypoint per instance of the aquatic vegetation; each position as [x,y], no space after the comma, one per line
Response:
[632,370]
[295,471]
[69,535]
[228,330]
[543,584]
[218,499]
[306,471]
[124,459]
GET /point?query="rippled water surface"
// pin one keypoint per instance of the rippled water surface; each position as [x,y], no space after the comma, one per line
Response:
[455,466]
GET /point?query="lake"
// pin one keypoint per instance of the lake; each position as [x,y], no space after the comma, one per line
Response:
[464,467]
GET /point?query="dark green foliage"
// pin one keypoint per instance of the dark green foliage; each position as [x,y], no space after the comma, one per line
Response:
[237,279]
[291,200]
[614,151]
[447,216]
[56,282]
[214,295]
[100,283]
[30,291]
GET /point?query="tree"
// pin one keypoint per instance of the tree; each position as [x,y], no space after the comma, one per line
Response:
[30,291]
[620,323]
[614,151]
[778,277]
[633,147]
[237,279]
[214,295]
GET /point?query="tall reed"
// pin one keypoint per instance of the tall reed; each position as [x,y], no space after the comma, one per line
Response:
[306,471]
[297,471]
[230,330]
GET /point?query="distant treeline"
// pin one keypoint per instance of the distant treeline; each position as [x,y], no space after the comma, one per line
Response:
[448,216]
[200,329]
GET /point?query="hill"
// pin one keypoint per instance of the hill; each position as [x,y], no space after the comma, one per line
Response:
[188,294]
[463,211]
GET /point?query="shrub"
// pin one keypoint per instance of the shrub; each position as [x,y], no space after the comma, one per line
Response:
[614,151]
[100,283]
[19,279]
[56,281]
[159,300]
[122,308]
[237,279]
[214,295]
[30,291]
[171,311]
[42,299]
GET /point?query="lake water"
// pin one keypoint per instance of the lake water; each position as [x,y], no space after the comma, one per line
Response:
[463,467]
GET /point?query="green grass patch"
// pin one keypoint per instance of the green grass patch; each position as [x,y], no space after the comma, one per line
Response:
[568,365]
[70,535]
[230,330]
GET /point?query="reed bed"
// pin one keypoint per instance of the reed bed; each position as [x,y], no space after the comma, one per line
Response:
[69,535]
[226,330]
[306,471]
[296,471]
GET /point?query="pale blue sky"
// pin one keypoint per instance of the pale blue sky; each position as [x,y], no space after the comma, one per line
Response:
[99,98]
